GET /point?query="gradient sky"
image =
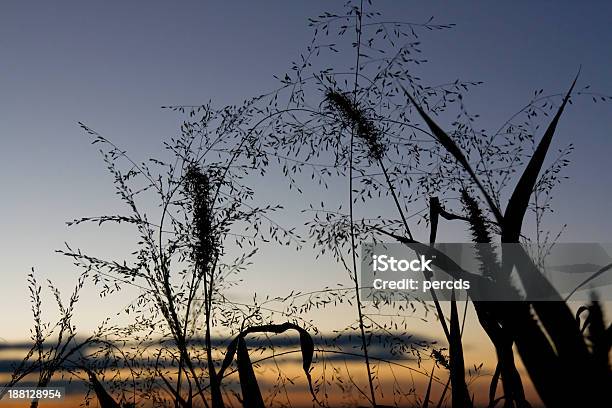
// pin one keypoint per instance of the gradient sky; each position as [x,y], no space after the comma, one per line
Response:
[112,65]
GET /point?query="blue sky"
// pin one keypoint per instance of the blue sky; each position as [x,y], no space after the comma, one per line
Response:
[112,65]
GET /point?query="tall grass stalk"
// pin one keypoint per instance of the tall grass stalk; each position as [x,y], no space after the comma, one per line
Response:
[364,341]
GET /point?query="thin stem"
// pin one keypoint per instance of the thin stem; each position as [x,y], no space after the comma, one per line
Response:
[395,198]
[352,224]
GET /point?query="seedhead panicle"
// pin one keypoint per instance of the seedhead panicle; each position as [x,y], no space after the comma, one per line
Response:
[355,116]
[198,189]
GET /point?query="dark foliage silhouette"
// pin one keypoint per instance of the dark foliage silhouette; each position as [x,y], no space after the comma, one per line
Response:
[373,128]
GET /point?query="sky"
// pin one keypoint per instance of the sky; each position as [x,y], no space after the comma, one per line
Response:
[112,65]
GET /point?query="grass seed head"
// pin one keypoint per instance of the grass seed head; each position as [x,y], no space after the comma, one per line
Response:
[355,116]
[198,189]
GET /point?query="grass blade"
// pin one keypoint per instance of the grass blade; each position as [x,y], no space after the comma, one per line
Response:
[459,390]
[306,345]
[517,205]
[590,278]
[441,400]
[428,392]
[104,398]
[449,144]
[251,394]
[493,386]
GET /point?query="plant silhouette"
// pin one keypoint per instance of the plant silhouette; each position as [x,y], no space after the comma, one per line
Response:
[373,129]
